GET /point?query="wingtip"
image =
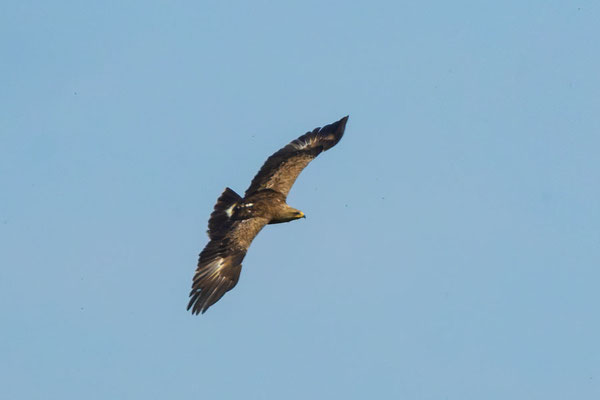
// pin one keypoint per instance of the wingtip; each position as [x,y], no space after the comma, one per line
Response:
[337,125]
[342,122]
[337,129]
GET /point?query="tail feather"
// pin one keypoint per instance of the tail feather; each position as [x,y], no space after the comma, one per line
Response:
[221,216]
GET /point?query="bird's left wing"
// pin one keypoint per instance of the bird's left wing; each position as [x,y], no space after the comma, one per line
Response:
[280,170]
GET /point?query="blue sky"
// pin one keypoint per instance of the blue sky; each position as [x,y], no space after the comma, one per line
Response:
[452,240]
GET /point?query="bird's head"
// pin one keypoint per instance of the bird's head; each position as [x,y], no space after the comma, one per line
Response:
[292,214]
[287,214]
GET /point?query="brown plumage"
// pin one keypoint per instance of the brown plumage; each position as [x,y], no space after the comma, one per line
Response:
[236,221]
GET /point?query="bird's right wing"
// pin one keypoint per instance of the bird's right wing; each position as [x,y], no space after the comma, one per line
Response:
[220,263]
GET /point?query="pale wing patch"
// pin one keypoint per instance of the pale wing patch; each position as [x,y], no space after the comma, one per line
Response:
[304,144]
[229,211]
[210,271]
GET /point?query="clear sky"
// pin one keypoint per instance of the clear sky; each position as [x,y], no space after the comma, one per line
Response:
[452,243]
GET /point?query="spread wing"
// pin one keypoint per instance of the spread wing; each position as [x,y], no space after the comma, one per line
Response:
[280,170]
[220,262]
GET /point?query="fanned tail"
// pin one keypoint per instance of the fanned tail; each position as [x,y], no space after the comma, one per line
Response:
[220,218]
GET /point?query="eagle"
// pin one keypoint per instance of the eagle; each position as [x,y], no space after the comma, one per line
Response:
[236,220]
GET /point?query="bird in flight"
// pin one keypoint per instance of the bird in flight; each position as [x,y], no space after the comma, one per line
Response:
[236,220]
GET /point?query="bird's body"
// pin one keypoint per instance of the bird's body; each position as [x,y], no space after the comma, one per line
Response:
[237,220]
